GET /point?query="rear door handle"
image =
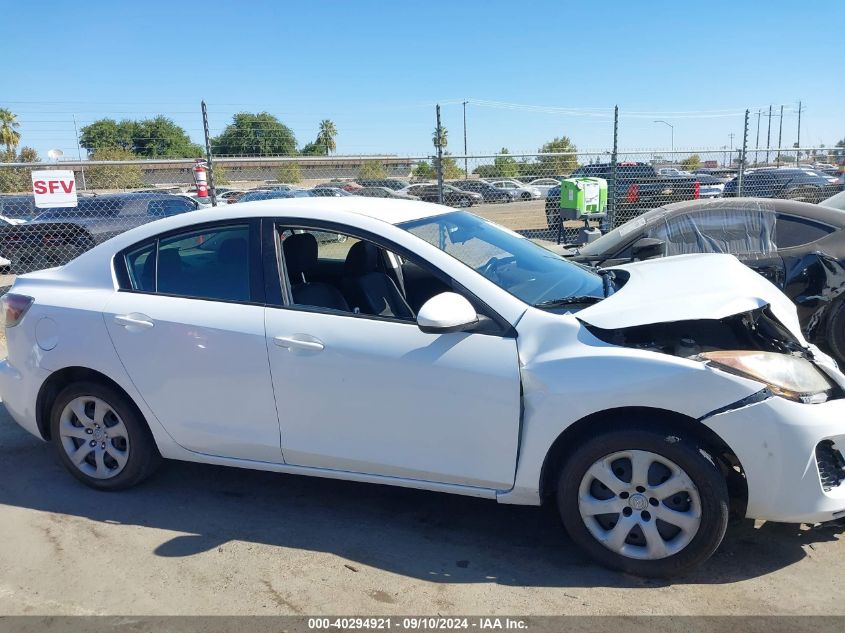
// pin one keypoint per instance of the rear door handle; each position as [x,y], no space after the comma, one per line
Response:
[299,341]
[134,320]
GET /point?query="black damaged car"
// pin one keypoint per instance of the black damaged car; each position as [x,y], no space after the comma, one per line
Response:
[800,247]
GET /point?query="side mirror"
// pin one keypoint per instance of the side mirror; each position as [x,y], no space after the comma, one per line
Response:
[446,312]
[648,248]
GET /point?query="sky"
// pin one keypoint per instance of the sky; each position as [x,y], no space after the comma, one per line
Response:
[531,71]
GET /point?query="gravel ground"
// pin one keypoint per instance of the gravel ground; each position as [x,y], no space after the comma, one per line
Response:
[208,540]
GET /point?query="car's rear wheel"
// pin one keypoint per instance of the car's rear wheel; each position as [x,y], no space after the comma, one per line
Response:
[101,438]
[643,501]
[525,195]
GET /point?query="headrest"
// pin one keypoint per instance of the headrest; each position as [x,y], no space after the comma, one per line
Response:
[233,250]
[361,259]
[300,251]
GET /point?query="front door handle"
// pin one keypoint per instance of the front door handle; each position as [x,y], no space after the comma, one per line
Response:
[299,341]
[134,320]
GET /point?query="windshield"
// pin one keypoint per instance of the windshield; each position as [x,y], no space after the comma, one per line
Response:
[524,269]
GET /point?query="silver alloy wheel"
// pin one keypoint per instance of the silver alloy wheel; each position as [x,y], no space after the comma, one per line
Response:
[94,437]
[639,504]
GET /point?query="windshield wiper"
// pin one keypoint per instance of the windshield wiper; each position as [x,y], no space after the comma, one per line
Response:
[607,279]
[565,301]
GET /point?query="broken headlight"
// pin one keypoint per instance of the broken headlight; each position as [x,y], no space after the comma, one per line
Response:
[792,377]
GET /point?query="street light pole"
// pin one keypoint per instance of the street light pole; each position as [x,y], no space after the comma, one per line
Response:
[466,164]
[672,128]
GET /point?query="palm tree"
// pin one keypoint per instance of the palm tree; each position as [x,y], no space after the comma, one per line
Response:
[9,136]
[326,136]
[443,139]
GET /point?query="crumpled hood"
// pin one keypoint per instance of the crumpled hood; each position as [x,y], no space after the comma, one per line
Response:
[687,287]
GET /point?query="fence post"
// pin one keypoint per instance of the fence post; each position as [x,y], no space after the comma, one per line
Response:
[208,155]
[438,136]
[742,156]
[611,203]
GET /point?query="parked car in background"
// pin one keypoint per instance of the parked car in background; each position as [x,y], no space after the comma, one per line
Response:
[544,184]
[520,190]
[271,194]
[638,188]
[329,192]
[807,185]
[391,183]
[488,192]
[647,402]
[346,185]
[230,196]
[711,186]
[56,236]
[18,209]
[373,191]
[799,247]
[452,196]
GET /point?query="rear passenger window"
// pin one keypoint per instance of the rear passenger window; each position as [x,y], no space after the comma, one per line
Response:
[206,264]
[794,231]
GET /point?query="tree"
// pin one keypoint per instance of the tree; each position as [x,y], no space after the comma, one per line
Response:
[259,134]
[221,174]
[372,170]
[313,149]
[289,173]
[326,136]
[423,171]
[28,155]
[554,165]
[443,137]
[505,166]
[9,135]
[691,163]
[162,138]
[107,134]
[451,170]
[114,176]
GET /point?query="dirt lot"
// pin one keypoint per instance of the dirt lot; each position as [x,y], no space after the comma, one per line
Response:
[207,540]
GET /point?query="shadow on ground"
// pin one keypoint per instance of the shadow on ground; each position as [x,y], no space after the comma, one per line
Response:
[429,536]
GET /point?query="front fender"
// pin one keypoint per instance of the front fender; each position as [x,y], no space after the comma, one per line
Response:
[568,374]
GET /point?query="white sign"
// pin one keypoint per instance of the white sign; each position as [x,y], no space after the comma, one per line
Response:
[54,188]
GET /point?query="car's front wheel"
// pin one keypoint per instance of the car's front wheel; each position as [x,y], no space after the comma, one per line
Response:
[642,501]
[101,438]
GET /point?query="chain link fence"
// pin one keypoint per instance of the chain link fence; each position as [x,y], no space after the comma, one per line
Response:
[519,191]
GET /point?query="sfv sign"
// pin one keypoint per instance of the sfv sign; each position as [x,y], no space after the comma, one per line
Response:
[54,188]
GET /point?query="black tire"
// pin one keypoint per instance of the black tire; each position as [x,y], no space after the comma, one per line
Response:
[143,455]
[526,196]
[836,332]
[685,452]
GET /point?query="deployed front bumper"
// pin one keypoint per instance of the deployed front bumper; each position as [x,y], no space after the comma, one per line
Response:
[792,455]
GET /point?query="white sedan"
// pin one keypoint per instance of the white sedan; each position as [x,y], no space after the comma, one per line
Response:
[433,349]
[518,190]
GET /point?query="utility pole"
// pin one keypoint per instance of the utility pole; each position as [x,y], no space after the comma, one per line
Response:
[798,142]
[611,206]
[742,156]
[79,152]
[731,135]
[780,133]
[757,144]
[466,164]
[769,136]
[439,135]
[208,157]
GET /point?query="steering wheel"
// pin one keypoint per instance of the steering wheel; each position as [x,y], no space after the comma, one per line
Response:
[490,270]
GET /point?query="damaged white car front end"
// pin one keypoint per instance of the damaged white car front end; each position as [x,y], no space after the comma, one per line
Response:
[711,340]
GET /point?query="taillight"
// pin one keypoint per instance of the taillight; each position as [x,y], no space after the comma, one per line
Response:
[696,190]
[633,194]
[15,307]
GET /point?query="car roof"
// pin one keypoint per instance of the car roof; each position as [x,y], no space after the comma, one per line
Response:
[827,215]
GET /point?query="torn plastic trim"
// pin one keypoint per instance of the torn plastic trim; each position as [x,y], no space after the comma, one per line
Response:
[754,398]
